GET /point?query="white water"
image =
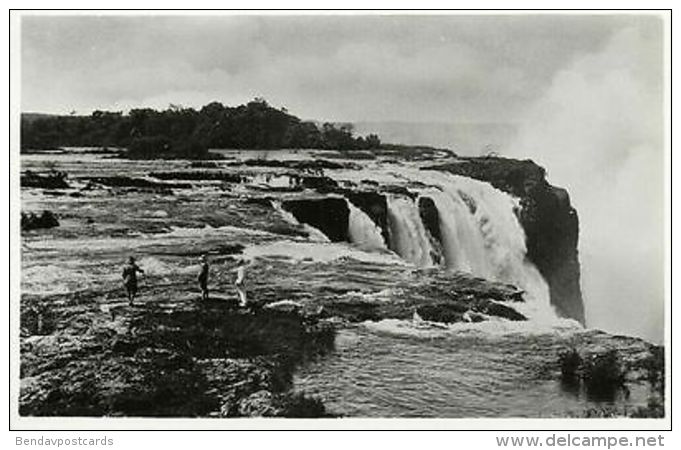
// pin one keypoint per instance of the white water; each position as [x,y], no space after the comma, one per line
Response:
[362,231]
[408,237]
[480,232]
[314,252]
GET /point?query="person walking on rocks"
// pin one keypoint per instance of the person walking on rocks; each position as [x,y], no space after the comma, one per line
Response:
[130,279]
[239,282]
[203,277]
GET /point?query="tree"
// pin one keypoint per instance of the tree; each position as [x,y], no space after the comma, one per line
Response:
[188,132]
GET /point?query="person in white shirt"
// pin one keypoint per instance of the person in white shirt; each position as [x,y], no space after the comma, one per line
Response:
[239,282]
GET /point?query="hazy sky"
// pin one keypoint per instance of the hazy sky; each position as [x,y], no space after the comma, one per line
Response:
[416,68]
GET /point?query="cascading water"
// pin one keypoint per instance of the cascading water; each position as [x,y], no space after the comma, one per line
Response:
[362,231]
[408,237]
[482,235]
[479,234]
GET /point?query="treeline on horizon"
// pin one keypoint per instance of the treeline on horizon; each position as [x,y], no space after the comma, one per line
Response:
[179,132]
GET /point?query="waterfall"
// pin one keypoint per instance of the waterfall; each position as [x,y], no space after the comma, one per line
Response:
[313,233]
[362,231]
[408,237]
[481,235]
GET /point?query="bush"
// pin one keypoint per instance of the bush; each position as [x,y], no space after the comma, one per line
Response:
[655,371]
[603,375]
[51,180]
[33,221]
[570,364]
[160,147]
[149,147]
[300,406]
[655,409]
[190,149]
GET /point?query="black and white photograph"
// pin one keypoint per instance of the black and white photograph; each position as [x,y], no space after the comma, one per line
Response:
[234,217]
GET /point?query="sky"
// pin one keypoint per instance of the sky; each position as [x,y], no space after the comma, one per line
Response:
[341,68]
[580,94]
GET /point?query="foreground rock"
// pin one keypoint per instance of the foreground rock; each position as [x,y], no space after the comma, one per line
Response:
[179,357]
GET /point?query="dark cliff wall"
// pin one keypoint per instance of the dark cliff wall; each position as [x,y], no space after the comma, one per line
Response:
[550,223]
[328,215]
[430,217]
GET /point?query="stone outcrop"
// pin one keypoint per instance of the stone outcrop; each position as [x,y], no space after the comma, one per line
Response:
[430,217]
[328,215]
[549,220]
[176,357]
[130,182]
[198,175]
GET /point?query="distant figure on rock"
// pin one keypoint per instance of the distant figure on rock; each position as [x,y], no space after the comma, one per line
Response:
[239,282]
[203,278]
[130,279]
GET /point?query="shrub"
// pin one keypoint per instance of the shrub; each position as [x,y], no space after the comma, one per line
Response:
[570,364]
[654,409]
[301,406]
[51,180]
[33,221]
[189,148]
[655,371]
[603,375]
[161,147]
[149,147]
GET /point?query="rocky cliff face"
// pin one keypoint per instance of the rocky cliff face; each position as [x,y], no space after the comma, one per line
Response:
[549,220]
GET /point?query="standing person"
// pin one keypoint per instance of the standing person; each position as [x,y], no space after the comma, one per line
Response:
[130,278]
[239,282]
[203,278]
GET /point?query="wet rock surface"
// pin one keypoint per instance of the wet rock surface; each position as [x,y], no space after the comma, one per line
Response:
[121,181]
[179,358]
[196,175]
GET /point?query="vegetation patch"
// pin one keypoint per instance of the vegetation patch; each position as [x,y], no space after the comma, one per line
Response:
[34,221]
[50,180]
[604,375]
[179,132]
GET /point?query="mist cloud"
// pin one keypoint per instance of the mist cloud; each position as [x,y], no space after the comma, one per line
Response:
[598,129]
